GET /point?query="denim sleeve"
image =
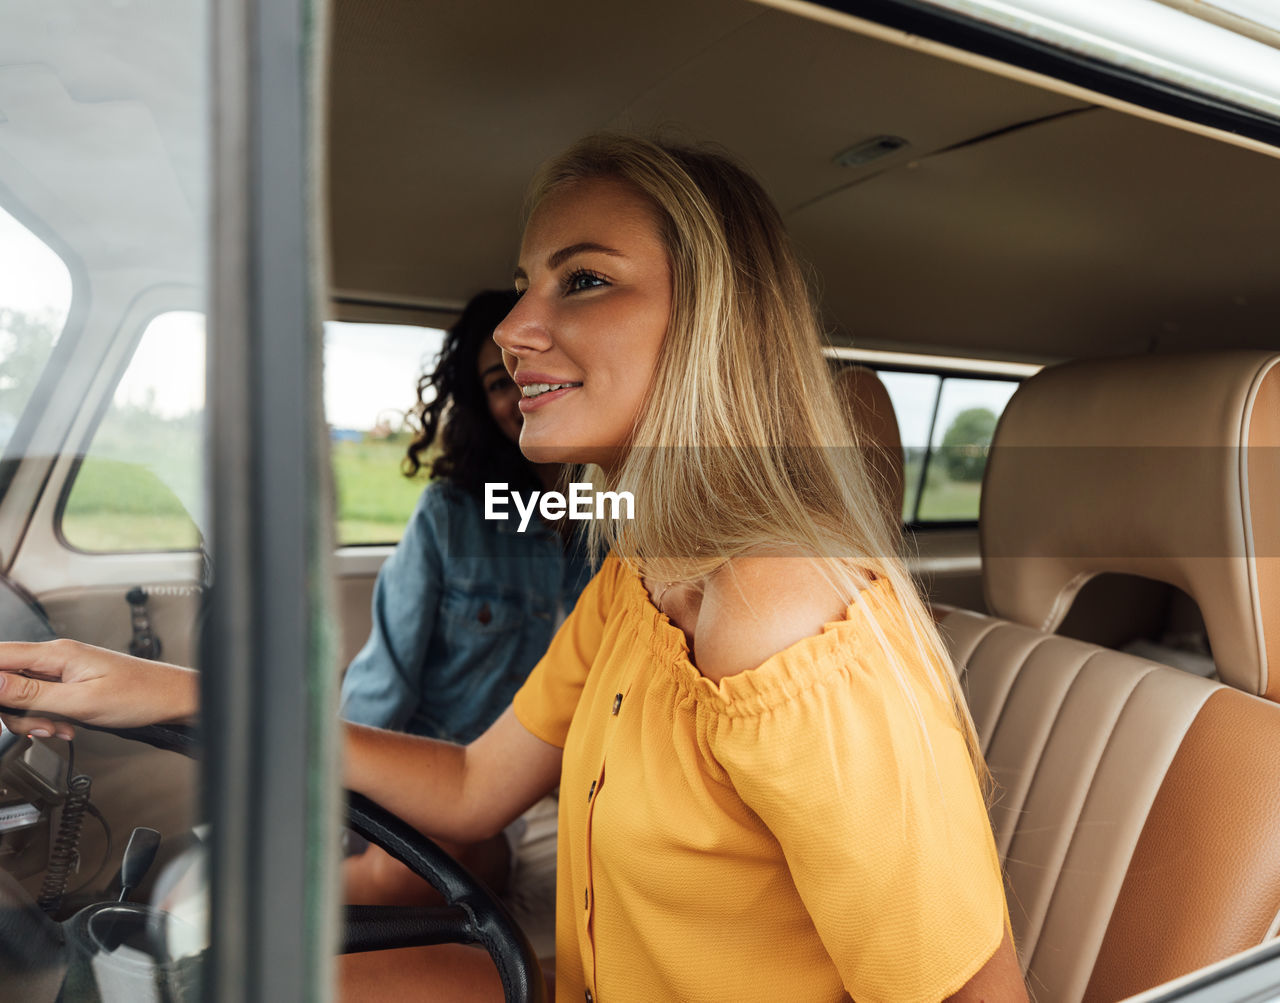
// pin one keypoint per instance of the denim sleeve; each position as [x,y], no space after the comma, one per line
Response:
[384,683]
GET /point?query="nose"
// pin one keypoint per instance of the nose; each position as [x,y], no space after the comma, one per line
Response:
[523,332]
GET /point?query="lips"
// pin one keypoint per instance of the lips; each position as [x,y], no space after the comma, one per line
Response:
[538,389]
[528,404]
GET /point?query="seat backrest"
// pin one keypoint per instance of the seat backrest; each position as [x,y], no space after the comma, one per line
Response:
[1138,816]
[872,417]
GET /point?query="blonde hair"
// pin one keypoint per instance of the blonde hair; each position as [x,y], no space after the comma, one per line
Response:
[716,472]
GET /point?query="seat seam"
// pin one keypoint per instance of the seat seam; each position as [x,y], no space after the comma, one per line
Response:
[1044,742]
[1075,826]
[993,624]
[1003,701]
[1189,722]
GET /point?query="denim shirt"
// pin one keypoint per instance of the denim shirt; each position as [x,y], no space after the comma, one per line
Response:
[462,610]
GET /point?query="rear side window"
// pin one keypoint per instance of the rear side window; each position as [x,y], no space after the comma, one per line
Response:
[947,422]
[370,383]
[139,486]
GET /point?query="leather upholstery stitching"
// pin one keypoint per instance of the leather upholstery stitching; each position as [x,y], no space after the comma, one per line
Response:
[1002,699]
[962,666]
[1029,786]
[1034,942]
[1247,518]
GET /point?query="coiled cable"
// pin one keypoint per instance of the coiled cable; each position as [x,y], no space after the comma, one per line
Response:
[66,844]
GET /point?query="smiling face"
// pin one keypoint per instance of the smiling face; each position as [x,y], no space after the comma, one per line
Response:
[583,340]
[500,393]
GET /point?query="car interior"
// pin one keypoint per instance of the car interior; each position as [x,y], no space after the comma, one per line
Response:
[1114,609]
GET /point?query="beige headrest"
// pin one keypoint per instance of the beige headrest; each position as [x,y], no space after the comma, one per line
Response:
[871,414]
[1137,466]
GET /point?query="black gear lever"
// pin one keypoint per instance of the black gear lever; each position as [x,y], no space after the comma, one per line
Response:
[138,857]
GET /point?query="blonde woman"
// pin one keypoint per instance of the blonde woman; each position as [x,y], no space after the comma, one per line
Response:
[770,785]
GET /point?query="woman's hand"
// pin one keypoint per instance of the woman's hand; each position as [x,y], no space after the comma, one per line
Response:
[52,680]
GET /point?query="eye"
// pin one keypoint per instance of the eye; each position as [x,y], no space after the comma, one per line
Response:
[582,279]
[500,384]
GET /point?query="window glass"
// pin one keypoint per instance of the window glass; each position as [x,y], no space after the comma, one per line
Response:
[139,487]
[370,385]
[966,420]
[104,121]
[915,397]
[946,423]
[35,297]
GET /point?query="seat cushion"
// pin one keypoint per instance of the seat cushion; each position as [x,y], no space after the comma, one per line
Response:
[1133,849]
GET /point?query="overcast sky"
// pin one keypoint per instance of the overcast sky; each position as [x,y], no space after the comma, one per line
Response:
[913,396]
[32,278]
[372,370]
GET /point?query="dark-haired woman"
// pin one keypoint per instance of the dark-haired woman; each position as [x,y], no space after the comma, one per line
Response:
[464,607]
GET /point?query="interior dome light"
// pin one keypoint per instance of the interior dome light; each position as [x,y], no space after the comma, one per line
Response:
[869,150]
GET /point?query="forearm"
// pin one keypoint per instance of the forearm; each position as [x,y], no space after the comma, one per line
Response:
[180,698]
[452,792]
[421,780]
[67,679]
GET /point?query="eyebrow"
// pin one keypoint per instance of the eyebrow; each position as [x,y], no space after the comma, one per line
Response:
[558,258]
[493,369]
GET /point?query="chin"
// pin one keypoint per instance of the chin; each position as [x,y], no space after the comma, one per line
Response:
[543,453]
[536,451]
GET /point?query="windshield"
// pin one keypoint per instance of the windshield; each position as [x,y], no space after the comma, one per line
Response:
[103,232]
[35,298]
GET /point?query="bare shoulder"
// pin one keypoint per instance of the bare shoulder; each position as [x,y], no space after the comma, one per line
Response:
[756,606]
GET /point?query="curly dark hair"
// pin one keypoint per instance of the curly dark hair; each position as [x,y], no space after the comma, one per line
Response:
[452,402]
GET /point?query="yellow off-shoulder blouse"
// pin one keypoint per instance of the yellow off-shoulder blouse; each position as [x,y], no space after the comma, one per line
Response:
[786,834]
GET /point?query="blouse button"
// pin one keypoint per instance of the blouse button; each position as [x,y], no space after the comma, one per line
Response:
[617,704]
[590,998]
[591,793]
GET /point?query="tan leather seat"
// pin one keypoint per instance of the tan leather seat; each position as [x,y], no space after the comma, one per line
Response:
[872,417]
[1139,813]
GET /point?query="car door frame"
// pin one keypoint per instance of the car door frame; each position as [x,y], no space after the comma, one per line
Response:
[268,702]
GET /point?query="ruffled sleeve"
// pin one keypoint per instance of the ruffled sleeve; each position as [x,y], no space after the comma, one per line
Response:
[548,698]
[881,821]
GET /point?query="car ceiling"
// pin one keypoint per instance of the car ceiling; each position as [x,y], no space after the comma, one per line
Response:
[1017,223]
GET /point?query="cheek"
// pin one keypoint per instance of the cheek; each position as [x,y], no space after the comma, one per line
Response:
[505,408]
[651,333]
[649,353]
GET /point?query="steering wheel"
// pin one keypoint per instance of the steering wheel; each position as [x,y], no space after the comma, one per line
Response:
[471,914]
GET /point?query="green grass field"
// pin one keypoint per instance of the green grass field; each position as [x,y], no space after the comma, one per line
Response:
[944,499]
[119,505]
[374,499]
[116,505]
[947,499]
